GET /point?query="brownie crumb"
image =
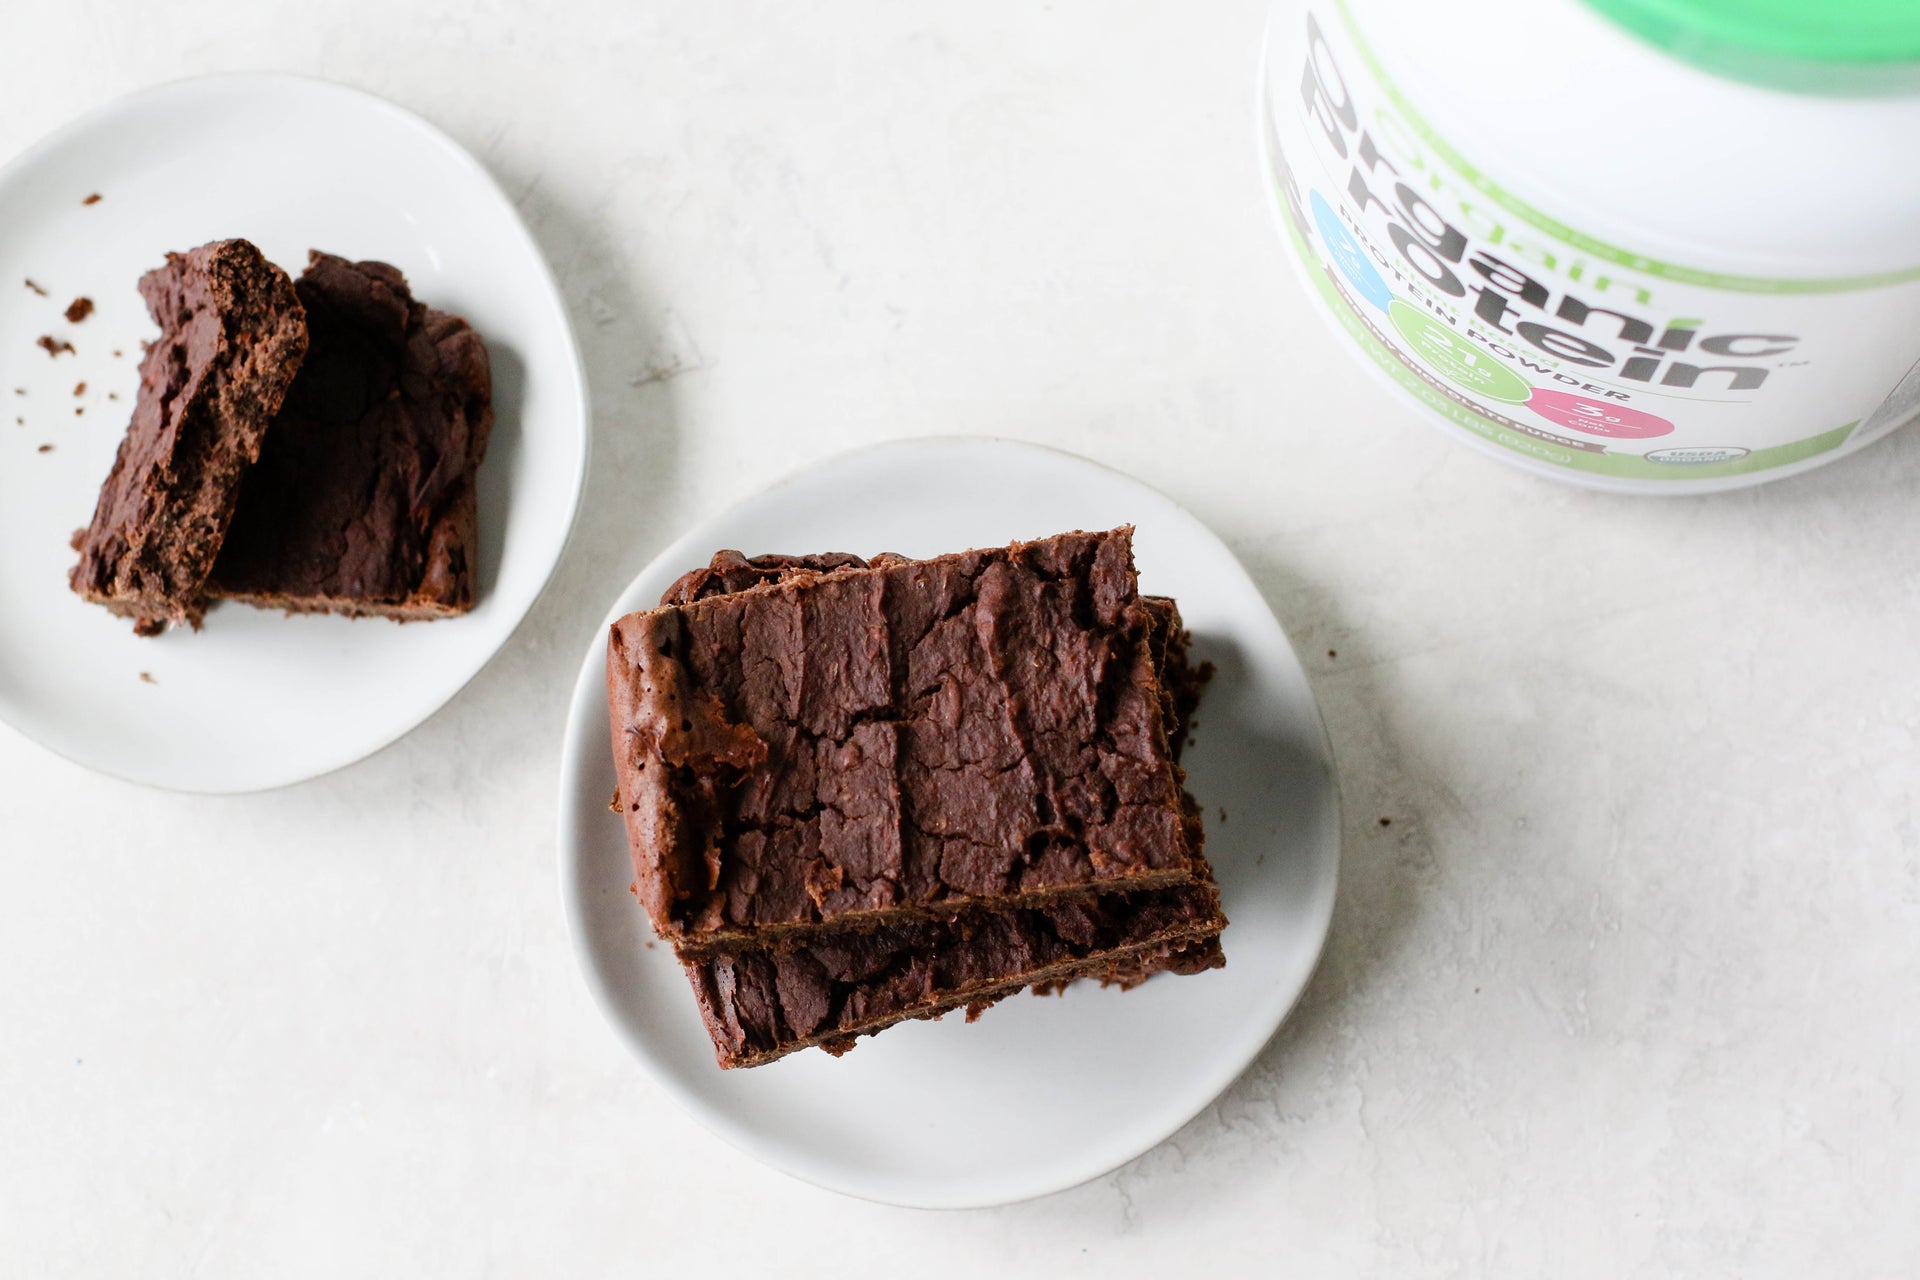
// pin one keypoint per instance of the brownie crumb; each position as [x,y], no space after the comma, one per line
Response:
[1333,653]
[1386,822]
[79,309]
[19,422]
[79,388]
[36,288]
[113,395]
[1223,815]
[53,346]
[146,677]
[117,353]
[92,199]
[78,411]
[46,448]
[19,391]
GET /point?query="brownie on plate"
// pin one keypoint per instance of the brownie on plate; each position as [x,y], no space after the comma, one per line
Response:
[858,745]
[231,338]
[362,501]
[759,1005]
[763,1005]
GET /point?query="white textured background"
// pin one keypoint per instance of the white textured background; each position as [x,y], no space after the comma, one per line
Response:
[1628,987]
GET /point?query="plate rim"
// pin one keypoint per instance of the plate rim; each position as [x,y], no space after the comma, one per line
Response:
[461,157]
[588,689]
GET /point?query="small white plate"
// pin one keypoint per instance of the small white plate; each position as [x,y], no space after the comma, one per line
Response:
[1040,1094]
[255,699]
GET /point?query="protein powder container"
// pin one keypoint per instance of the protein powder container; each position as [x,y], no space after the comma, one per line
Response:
[1659,246]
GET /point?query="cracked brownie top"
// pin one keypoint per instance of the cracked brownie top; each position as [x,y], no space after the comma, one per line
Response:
[836,743]
[363,499]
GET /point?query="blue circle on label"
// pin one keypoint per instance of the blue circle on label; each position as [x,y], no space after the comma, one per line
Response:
[1348,255]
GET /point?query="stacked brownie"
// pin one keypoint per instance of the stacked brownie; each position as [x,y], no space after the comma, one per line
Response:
[303,445]
[860,792]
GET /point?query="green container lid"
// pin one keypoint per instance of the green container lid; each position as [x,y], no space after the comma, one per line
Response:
[1820,46]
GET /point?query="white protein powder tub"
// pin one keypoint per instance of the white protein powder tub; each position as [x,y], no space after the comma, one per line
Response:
[1657,246]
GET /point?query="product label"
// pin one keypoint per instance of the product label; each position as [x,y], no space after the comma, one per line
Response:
[1543,339]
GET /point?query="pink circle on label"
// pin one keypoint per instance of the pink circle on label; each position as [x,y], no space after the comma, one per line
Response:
[1596,417]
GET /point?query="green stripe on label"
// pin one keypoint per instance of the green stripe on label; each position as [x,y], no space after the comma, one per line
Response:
[1589,244]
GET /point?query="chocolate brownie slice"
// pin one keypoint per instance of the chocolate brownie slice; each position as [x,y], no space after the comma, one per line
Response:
[362,501]
[759,1005]
[869,744]
[232,335]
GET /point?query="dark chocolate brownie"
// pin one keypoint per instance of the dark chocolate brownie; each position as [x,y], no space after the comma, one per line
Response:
[232,336]
[762,1005]
[867,744]
[362,502]
[759,1005]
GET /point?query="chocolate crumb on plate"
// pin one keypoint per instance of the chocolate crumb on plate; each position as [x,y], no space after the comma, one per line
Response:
[46,448]
[79,309]
[1386,822]
[146,677]
[92,199]
[36,288]
[53,346]
[79,388]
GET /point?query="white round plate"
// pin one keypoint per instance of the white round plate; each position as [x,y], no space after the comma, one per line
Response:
[255,699]
[1039,1094]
